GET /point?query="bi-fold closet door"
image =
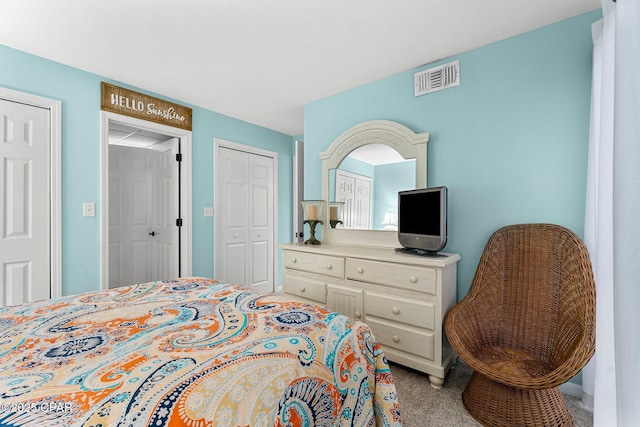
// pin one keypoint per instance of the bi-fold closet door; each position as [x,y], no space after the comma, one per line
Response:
[355,192]
[245,223]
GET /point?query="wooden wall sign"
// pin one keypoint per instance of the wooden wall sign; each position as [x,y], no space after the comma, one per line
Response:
[129,103]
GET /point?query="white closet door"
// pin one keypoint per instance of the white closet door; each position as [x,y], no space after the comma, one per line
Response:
[244,246]
[362,203]
[260,272]
[232,215]
[355,191]
[25,270]
[345,188]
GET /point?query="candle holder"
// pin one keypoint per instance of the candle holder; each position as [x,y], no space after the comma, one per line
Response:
[335,213]
[313,217]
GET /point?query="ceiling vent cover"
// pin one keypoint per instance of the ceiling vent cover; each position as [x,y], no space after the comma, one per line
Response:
[437,78]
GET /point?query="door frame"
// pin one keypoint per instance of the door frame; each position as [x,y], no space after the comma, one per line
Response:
[185,188]
[298,191]
[217,143]
[55,178]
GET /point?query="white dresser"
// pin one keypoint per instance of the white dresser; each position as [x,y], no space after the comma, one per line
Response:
[402,297]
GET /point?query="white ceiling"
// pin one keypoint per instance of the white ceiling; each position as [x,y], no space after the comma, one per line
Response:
[129,136]
[262,61]
[377,154]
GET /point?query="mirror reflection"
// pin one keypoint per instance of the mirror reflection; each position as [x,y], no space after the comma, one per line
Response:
[368,181]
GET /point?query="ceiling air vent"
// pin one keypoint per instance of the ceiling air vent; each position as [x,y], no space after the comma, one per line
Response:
[436,78]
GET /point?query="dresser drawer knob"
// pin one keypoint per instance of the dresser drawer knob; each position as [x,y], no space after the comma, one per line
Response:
[395,310]
[294,260]
[395,338]
[329,266]
[358,314]
[413,279]
[302,289]
[360,270]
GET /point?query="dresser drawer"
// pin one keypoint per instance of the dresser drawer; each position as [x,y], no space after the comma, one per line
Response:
[403,338]
[422,279]
[397,309]
[315,263]
[305,288]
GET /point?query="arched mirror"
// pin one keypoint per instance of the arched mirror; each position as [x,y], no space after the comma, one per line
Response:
[365,167]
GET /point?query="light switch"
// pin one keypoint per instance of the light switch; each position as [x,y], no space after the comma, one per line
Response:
[89,209]
[208,211]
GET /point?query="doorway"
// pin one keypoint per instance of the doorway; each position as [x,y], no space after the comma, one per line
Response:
[30,202]
[146,199]
[246,228]
[143,207]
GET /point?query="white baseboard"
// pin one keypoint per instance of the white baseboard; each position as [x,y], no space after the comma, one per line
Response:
[587,400]
[575,390]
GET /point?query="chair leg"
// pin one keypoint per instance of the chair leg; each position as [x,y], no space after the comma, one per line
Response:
[494,404]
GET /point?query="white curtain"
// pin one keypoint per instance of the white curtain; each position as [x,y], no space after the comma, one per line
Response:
[612,218]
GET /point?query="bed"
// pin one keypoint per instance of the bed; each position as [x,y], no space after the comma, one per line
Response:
[189,352]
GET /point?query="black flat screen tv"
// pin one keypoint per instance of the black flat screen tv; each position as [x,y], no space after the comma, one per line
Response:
[422,220]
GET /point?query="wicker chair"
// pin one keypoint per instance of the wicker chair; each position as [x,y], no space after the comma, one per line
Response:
[526,326]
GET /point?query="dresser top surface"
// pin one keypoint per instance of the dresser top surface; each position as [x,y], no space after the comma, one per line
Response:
[443,259]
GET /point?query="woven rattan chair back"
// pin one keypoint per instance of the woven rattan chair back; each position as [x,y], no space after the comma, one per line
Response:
[528,321]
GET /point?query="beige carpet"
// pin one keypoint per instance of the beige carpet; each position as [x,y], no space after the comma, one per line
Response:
[422,405]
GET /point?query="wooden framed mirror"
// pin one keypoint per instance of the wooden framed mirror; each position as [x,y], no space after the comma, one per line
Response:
[408,144]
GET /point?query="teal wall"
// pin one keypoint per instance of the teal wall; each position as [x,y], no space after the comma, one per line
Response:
[79,93]
[358,167]
[390,179]
[510,142]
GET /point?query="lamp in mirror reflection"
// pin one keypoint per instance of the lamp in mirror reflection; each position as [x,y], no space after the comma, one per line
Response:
[335,213]
[389,221]
[313,210]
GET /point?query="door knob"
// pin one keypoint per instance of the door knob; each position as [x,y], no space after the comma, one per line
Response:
[153,233]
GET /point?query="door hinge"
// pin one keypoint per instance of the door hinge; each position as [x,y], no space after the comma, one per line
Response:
[179,222]
[178,157]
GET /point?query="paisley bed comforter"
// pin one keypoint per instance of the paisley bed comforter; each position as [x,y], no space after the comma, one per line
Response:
[189,352]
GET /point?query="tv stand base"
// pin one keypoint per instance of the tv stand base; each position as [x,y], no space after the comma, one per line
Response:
[421,252]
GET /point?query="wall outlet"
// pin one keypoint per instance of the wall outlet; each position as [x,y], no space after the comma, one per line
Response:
[208,211]
[88,209]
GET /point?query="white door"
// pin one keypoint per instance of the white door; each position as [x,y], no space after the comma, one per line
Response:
[246,229]
[164,212]
[24,203]
[362,203]
[345,188]
[355,191]
[143,236]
